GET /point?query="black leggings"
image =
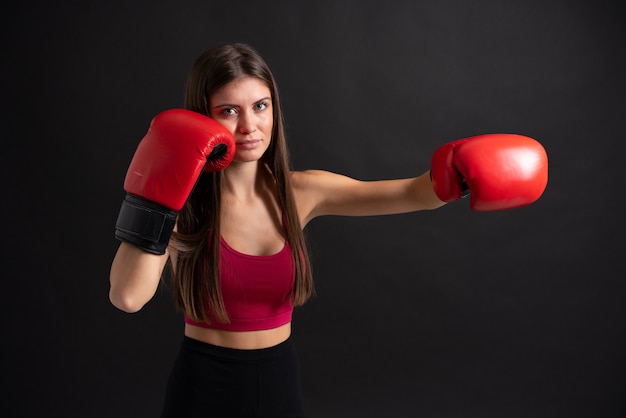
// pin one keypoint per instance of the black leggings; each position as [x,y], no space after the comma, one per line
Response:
[217,382]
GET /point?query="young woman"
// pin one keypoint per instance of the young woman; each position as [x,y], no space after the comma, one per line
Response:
[237,253]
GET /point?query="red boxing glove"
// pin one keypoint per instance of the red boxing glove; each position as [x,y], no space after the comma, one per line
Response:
[179,145]
[499,171]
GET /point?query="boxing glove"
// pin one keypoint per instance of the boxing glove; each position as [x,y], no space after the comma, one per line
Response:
[497,171]
[179,145]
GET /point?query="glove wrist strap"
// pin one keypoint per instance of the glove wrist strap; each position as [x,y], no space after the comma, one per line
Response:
[144,224]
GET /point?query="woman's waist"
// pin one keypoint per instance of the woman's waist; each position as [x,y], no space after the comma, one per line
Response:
[242,340]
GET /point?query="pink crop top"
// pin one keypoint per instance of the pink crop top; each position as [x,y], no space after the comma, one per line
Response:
[256,290]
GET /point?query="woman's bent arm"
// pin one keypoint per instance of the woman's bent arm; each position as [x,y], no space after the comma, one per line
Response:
[134,277]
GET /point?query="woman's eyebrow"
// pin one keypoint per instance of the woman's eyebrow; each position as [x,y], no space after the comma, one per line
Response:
[226,104]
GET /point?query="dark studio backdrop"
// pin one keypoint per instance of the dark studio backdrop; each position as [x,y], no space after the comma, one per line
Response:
[449,313]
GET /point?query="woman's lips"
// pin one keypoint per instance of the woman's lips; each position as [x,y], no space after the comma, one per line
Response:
[248,144]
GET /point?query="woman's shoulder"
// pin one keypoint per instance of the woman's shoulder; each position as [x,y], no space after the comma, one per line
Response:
[322,181]
[307,187]
[310,178]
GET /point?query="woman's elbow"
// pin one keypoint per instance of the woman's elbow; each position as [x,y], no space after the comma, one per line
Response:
[126,302]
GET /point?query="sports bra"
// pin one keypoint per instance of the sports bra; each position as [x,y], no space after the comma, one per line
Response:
[256,290]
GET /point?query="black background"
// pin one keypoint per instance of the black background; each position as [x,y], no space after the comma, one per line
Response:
[449,313]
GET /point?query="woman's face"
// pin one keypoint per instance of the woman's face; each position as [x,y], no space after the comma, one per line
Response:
[244,107]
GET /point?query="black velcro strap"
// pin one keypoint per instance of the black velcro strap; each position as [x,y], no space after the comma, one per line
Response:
[145,224]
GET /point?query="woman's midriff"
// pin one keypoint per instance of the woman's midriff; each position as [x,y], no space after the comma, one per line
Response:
[242,340]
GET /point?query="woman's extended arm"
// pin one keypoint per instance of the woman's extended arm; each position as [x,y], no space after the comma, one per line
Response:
[320,193]
[500,171]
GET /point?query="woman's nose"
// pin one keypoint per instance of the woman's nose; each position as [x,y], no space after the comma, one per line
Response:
[246,124]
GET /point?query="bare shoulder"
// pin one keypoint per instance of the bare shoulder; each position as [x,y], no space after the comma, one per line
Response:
[320,192]
[319,182]
[310,179]
[306,191]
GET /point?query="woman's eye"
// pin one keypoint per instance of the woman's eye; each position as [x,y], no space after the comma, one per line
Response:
[261,106]
[229,111]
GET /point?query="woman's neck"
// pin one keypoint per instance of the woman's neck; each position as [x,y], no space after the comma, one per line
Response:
[244,180]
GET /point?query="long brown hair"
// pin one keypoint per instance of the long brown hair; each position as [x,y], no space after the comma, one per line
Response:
[196,279]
